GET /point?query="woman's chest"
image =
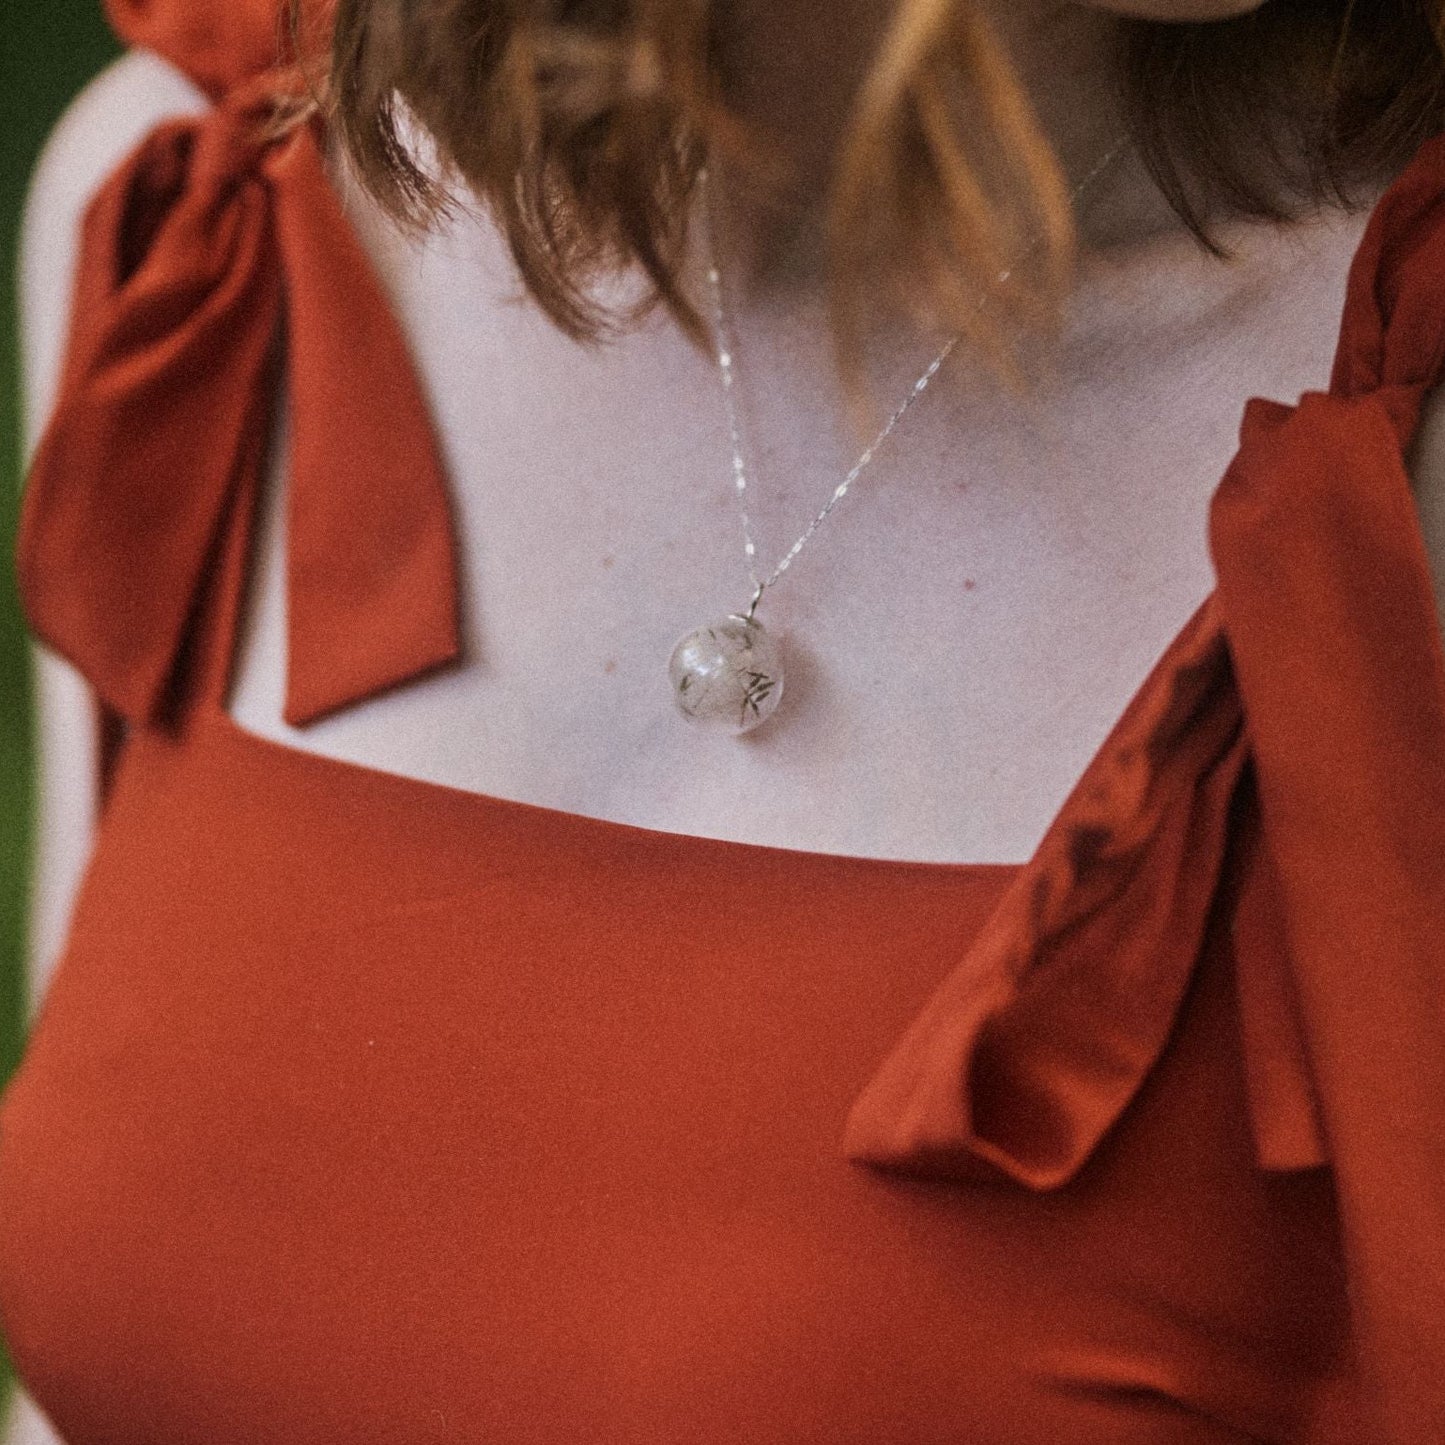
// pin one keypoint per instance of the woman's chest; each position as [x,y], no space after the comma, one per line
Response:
[960,633]
[519,1113]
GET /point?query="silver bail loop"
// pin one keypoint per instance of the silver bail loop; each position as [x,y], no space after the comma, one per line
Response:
[753,605]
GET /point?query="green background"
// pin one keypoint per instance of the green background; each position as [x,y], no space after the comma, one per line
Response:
[48,50]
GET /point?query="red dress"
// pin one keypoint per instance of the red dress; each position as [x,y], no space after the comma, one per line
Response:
[363,1108]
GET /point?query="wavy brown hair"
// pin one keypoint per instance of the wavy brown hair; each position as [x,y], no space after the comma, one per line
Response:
[583,124]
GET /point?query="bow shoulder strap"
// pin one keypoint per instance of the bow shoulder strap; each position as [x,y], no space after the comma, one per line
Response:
[217,251]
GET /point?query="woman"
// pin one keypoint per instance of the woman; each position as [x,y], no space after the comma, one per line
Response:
[451,1041]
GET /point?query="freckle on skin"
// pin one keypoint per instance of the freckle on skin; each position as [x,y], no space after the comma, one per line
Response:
[968,584]
[610,665]
[608,560]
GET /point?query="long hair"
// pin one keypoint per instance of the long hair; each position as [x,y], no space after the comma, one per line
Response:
[583,125]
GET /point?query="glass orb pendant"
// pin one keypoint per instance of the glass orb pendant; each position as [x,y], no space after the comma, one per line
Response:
[728,675]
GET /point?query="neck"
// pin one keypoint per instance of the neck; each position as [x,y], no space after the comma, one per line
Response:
[795,80]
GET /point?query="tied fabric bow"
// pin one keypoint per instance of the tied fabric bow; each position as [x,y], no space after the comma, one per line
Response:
[215,252]
[1280,775]
[1279,780]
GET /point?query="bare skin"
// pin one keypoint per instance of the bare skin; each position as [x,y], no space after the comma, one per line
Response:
[965,629]
[797,79]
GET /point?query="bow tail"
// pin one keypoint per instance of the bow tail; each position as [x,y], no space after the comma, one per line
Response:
[176,309]
[371,570]
[1036,1042]
[1325,586]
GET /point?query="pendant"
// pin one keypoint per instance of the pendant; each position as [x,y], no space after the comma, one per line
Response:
[728,675]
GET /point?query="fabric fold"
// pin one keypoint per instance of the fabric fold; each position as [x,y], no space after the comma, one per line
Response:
[1030,1049]
[192,252]
[1326,591]
[218,43]
[1280,775]
[370,554]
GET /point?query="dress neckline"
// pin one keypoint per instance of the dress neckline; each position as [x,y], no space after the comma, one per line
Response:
[215,719]
[1119,775]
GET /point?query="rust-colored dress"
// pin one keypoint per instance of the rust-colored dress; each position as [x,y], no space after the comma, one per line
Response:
[366,1109]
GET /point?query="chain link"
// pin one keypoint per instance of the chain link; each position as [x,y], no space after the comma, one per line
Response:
[725,348]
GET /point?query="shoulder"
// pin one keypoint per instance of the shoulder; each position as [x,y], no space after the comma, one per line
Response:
[98,129]
[103,123]
[1427,454]
[1427,475]
[1396,282]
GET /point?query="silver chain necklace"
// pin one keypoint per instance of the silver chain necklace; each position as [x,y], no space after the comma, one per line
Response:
[729,674]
